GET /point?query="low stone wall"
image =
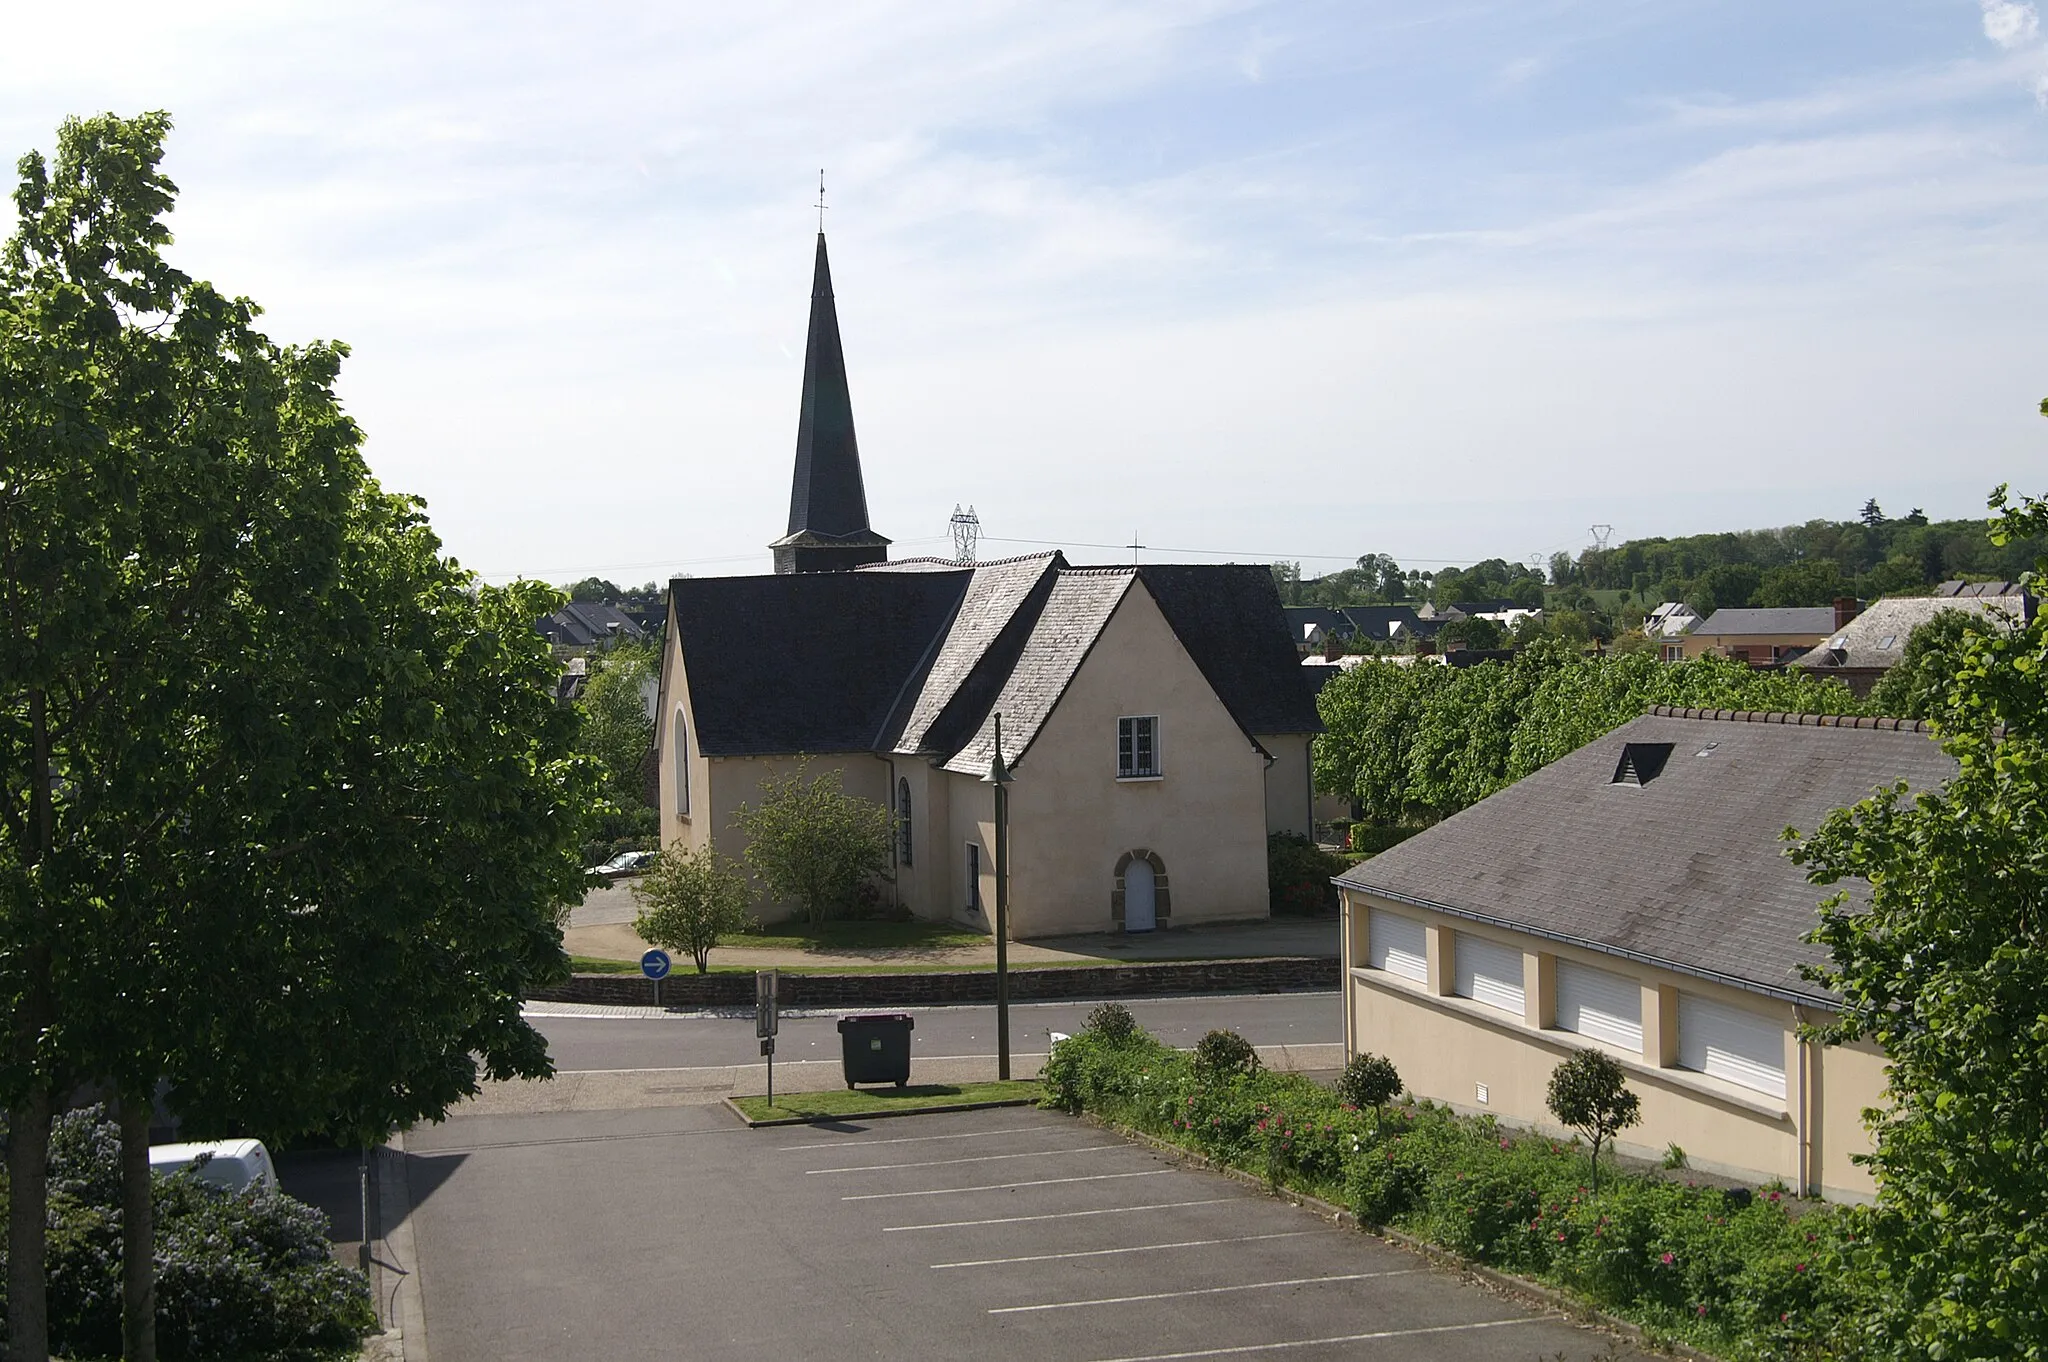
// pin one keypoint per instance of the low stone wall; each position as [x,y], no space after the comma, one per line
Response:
[1280,974]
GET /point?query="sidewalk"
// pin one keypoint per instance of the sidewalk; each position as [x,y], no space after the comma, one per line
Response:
[601,928]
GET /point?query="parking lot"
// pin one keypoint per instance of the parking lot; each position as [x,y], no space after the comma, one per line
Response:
[677,1233]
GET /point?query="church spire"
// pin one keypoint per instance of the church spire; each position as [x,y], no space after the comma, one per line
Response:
[828,504]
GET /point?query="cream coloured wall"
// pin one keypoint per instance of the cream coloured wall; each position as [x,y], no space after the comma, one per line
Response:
[971,817]
[1071,818]
[1446,1047]
[1288,795]
[733,781]
[693,828]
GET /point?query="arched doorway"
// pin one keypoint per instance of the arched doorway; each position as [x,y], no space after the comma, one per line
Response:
[1139,901]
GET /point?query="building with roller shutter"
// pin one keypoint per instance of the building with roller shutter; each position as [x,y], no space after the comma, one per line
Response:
[1634,898]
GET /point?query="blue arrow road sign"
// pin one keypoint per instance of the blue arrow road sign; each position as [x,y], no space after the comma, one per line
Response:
[655,964]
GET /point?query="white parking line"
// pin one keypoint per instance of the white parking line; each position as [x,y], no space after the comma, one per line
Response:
[1056,1215]
[1325,1342]
[1135,1248]
[1005,1186]
[977,1158]
[843,1141]
[1199,1291]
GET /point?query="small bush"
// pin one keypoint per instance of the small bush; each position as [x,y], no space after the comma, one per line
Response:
[1298,875]
[1113,1022]
[1225,1054]
[1369,1081]
[1364,837]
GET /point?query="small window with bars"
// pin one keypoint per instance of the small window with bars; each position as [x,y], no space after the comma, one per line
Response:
[1137,747]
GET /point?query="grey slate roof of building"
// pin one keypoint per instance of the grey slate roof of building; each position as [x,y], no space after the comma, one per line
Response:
[1789,620]
[1876,639]
[580,624]
[1686,871]
[915,657]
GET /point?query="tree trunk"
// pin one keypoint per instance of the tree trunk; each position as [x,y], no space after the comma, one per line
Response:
[28,1158]
[138,1234]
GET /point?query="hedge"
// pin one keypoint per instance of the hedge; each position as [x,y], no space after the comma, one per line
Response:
[1740,1274]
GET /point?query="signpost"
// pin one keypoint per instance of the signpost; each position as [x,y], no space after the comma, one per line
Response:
[655,965]
[767,1019]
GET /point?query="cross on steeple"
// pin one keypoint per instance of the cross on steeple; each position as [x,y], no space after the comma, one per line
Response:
[821,201]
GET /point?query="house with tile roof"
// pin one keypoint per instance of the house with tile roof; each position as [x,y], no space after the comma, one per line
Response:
[1862,651]
[1155,718]
[1634,898]
[1769,636]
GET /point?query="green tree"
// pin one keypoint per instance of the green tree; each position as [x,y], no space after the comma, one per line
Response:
[617,732]
[1938,956]
[1872,514]
[595,589]
[1590,1094]
[1471,632]
[689,900]
[1725,586]
[1816,581]
[811,843]
[1917,686]
[1369,1081]
[274,767]
[1370,714]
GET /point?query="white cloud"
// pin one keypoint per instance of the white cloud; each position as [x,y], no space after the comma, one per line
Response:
[2010,23]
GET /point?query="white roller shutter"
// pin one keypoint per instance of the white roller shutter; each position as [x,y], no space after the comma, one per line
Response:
[1397,945]
[1488,972]
[1727,1042]
[1605,1006]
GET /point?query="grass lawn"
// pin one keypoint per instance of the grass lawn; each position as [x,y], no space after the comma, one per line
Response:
[838,936]
[841,1102]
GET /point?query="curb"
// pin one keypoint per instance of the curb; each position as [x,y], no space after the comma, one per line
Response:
[401,1306]
[753,1124]
[1525,1289]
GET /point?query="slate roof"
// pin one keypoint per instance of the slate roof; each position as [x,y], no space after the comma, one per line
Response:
[1228,618]
[914,657]
[581,624]
[1686,871]
[827,497]
[1876,639]
[1787,620]
[1378,621]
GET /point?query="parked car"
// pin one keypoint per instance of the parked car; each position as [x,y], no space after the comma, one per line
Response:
[229,1164]
[624,864]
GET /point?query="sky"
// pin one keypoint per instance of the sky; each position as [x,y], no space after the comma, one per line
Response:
[1228,280]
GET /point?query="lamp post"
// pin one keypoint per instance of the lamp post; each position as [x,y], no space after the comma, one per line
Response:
[1000,777]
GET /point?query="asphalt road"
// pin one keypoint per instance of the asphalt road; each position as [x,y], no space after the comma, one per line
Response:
[656,1234]
[583,1044]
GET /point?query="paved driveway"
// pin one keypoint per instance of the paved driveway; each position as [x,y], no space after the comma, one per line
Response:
[672,1233]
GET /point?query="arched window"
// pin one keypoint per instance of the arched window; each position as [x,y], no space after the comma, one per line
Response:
[903,822]
[682,732]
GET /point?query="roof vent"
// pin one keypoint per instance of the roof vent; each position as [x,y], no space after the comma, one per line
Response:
[1641,762]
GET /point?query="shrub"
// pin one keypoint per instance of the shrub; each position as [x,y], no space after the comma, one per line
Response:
[1113,1022]
[1298,875]
[1225,1054]
[1369,1081]
[243,1276]
[689,900]
[1589,1093]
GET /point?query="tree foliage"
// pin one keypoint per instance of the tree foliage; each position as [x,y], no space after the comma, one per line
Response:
[1590,1094]
[1918,684]
[617,732]
[1940,955]
[812,844]
[689,900]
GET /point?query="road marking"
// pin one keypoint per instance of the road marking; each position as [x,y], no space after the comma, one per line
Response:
[1006,1186]
[845,1140]
[1056,1215]
[1199,1291]
[978,1158]
[1326,1342]
[1135,1248]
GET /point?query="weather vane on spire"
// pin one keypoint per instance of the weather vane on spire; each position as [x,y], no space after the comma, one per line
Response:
[821,202]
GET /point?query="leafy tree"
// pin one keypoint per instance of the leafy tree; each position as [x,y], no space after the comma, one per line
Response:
[1471,632]
[1226,1054]
[595,589]
[1590,1094]
[617,732]
[813,844]
[1370,714]
[1872,515]
[1938,958]
[1725,585]
[689,900]
[1918,684]
[1817,581]
[270,757]
[1372,1081]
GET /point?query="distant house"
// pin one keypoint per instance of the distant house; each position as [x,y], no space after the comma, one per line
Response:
[583,625]
[1864,649]
[1482,952]
[1311,625]
[1767,637]
[1672,619]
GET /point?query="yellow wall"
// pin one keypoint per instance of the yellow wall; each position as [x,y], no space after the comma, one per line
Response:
[1072,819]
[1445,1047]
[1758,645]
[1288,798]
[694,828]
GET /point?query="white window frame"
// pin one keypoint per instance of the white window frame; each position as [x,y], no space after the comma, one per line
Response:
[1619,1025]
[1750,1052]
[1389,937]
[1133,731]
[1486,971]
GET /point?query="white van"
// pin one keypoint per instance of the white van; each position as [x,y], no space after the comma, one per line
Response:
[231,1164]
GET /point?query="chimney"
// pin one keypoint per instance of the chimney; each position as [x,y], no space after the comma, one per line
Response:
[1332,649]
[1846,609]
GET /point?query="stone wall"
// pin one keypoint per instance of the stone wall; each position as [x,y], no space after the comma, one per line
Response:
[1273,975]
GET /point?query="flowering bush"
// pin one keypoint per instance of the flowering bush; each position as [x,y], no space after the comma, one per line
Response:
[1741,1275]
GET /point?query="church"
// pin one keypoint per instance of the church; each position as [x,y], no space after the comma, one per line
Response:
[1154,718]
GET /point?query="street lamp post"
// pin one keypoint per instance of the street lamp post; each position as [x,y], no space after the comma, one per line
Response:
[1000,777]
